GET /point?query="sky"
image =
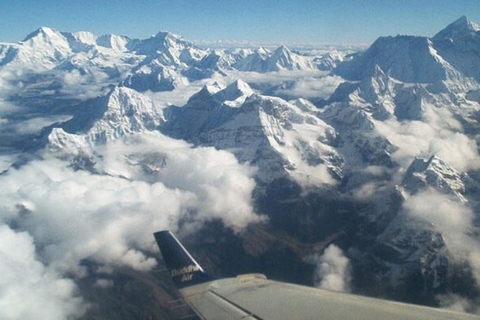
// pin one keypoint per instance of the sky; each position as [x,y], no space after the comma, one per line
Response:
[288,21]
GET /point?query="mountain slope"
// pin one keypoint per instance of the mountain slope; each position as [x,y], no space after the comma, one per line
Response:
[459,43]
[123,111]
[278,137]
[406,58]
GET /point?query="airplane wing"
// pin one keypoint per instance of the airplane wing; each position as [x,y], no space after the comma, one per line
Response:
[252,296]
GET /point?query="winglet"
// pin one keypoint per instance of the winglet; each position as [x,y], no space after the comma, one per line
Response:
[183,268]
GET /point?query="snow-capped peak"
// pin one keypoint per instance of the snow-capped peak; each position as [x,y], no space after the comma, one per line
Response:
[284,59]
[210,89]
[282,50]
[435,173]
[406,58]
[123,111]
[376,86]
[171,40]
[161,42]
[235,90]
[263,52]
[47,39]
[458,29]
[43,32]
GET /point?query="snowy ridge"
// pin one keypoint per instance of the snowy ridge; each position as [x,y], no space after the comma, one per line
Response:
[355,119]
[358,161]
[278,137]
[46,48]
[126,111]
[459,43]
[406,58]
[459,29]
[437,174]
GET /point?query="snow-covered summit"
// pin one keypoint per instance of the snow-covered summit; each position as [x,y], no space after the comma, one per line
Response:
[406,58]
[279,137]
[166,47]
[47,48]
[459,44]
[234,91]
[451,55]
[284,59]
[461,28]
[123,111]
[435,173]
[206,109]
[42,49]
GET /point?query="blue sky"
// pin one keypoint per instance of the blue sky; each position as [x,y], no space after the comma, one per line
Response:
[301,21]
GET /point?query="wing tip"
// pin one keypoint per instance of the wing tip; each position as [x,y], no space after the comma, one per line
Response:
[183,268]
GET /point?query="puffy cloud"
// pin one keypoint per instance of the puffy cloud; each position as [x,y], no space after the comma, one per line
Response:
[415,138]
[29,290]
[151,185]
[332,270]
[273,78]
[143,184]
[412,138]
[458,150]
[222,187]
[447,214]
[369,190]
[83,86]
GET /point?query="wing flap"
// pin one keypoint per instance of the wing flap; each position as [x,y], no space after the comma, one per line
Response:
[271,300]
[210,305]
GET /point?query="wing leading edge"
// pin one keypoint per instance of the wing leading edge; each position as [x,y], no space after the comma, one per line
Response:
[255,297]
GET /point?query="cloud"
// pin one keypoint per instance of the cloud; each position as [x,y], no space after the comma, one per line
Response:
[459,304]
[35,125]
[458,150]
[371,190]
[308,83]
[332,271]
[144,183]
[313,87]
[221,185]
[453,219]
[83,86]
[412,138]
[447,214]
[420,139]
[29,290]
[307,47]
[152,183]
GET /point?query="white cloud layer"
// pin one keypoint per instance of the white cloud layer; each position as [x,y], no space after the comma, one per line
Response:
[313,87]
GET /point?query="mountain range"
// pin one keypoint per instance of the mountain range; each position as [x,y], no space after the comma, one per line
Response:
[385,165]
